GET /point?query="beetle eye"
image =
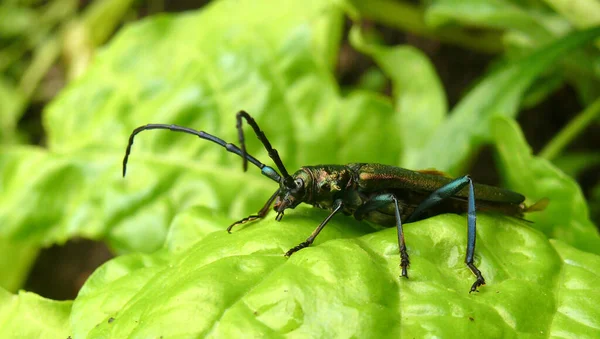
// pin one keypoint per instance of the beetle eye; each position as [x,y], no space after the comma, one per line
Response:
[299,183]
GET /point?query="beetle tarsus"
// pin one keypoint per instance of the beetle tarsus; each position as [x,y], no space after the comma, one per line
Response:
[297,248]
[404,263]
[480,280]
[243,221]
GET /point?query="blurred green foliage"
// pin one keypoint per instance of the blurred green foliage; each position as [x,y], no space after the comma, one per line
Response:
[178,273]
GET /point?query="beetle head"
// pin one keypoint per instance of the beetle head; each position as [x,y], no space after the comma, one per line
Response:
[290,197]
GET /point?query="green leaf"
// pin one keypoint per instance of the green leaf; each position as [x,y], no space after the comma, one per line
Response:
[567,217]
[577,293]
[581,13]
[498,94]
[241,284]
[497,14]
[27,315]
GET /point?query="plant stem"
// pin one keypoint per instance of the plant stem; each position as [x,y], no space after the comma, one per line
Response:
[569,132]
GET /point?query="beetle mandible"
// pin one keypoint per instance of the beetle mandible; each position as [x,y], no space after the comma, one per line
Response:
[383,194]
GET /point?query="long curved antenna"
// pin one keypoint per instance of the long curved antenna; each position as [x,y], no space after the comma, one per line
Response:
[273,154]
[266,170]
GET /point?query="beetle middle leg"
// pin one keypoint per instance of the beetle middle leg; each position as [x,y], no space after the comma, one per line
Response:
[446,192]
[382,200]
[337,206]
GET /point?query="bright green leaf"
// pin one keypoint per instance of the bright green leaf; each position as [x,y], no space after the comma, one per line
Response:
[27,315]
[241,284]
[577,294]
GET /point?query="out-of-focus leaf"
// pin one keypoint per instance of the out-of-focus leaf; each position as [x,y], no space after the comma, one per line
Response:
[541,89]
[240,284]
[566,218]
[498,94]
[419,99]
[15,261]
[410,17]
[27,315]
[15,20]
[498,14]
[580,13]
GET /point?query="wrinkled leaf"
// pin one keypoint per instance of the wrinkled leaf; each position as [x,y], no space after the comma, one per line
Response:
[240,284]
[27,315]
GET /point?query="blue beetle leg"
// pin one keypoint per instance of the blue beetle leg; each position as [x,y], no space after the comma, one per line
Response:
[380,201]
[446,192]
[471,237]
[261,214]
[337,206]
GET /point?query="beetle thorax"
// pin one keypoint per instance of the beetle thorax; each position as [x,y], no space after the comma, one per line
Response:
[328,183]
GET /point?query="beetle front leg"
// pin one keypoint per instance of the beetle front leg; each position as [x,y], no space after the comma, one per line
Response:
[404,262]
[261,214]
[337,206]
[446,192]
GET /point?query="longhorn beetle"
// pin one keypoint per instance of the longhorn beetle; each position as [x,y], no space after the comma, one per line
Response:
[382,194]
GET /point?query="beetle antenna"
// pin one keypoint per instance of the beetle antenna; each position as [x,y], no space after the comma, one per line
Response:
[266,170]
[273,154]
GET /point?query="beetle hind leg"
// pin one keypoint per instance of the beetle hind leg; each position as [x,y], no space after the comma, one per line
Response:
[444,193]
[480,280]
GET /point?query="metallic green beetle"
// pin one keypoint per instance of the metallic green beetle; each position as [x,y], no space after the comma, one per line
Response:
[382,194]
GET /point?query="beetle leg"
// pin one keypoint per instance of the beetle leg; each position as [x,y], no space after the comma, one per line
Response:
[337,206]
[404,262]
[382,200]
[261,214]
[446,192]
